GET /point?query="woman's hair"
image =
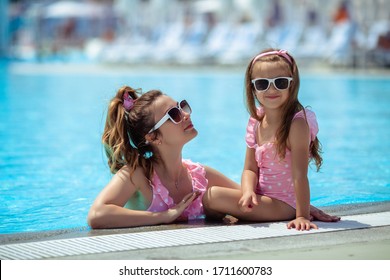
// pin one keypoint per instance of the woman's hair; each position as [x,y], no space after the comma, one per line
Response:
[290,108]
[125,129]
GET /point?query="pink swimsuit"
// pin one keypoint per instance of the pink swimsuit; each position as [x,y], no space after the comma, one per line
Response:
[162,201]
[275,178]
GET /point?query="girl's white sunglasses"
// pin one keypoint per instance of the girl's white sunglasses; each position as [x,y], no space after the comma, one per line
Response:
[280,83]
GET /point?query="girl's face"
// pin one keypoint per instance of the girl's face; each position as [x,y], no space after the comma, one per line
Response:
[171,133]
[271,98]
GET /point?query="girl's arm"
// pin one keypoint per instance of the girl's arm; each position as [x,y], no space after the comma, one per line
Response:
[249,181]
[107,211]
[299,140]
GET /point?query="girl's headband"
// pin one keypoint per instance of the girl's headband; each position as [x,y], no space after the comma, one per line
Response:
[282,53]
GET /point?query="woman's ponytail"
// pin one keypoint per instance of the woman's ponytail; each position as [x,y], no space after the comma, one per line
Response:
[129,119]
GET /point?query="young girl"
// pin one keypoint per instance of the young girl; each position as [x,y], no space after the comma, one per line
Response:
[281,138]
[143,138]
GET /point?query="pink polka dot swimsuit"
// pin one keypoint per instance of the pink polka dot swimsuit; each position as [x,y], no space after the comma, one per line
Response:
[162,201]
[275,175]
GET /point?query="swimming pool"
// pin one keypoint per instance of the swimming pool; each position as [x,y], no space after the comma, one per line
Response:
[52,164]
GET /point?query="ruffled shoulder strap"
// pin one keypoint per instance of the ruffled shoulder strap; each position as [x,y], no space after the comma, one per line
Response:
[198,174]
[311,121]
[250,137]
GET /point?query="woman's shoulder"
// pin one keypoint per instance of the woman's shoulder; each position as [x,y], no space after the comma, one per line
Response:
[126,171]
[133,177]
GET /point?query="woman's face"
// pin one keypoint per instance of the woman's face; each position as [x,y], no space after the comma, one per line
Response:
[171,133]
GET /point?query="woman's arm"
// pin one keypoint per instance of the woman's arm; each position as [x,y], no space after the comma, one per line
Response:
[107,211]
[299,140]
[216,178]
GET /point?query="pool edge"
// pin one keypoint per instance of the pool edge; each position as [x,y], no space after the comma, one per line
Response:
[341,210]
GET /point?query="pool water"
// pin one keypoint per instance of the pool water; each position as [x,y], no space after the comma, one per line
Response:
[52,164]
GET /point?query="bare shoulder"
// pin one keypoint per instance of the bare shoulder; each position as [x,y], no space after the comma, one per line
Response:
[299,134]
[128,177]
[299,124]
[299,127]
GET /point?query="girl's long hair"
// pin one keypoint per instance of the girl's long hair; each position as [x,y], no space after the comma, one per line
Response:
[121,125]
[290,108]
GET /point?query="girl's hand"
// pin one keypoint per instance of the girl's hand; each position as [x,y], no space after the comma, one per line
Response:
[247,201]
[301,223]
[319,215]
[175,213]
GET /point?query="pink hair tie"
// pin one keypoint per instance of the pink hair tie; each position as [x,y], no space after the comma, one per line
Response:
[128,102]
[279,52]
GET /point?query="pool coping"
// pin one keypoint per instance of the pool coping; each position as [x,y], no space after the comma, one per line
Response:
[368,243]
[341,210]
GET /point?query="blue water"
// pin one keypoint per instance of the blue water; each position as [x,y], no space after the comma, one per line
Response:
[51,160]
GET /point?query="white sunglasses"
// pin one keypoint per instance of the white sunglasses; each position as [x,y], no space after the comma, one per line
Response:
[174,114]
[280,83]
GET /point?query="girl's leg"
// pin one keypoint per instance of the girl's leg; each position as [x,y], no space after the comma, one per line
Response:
[225,201]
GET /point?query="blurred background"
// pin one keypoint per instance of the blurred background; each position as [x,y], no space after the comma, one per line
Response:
[354,33]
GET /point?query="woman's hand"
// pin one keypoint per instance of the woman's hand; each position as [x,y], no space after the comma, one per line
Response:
[247,201]
[320,215]
[301,223]
[175,213]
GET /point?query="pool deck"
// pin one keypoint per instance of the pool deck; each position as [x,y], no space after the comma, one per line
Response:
[115,69]
[346,243]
